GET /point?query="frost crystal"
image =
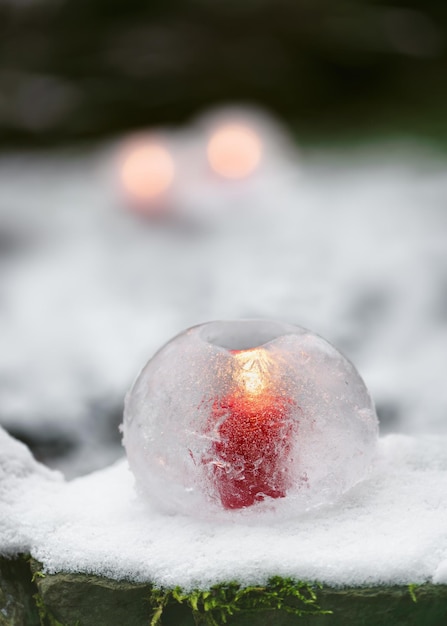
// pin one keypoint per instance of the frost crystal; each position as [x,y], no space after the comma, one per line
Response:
[250,415]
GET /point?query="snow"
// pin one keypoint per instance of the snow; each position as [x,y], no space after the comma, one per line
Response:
[352,246]
[354,250]
[389,529]
[20,476]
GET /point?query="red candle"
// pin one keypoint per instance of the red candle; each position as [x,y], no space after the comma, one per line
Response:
[252,432]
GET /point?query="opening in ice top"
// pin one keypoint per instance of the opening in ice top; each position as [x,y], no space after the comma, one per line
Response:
[243,334]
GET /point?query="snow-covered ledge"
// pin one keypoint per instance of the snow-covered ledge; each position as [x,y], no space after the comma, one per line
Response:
[99,552]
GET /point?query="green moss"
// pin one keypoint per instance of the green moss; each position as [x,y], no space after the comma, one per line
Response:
[213,607]
[45,616]
[37,574]
[412,591]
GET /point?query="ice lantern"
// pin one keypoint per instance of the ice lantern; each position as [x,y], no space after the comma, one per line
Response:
[248,416]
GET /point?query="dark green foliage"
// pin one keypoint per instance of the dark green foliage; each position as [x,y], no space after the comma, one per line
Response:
[82,69]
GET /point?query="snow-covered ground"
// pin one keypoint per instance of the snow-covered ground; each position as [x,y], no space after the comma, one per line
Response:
[352,246]
[390,529]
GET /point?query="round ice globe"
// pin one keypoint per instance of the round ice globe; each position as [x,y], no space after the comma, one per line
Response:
[248,416]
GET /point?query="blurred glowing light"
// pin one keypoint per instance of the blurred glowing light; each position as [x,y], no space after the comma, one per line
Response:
[147,170]
[234,151]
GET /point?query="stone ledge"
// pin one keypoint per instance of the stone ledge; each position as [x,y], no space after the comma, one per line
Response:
[28,598]
[17,605]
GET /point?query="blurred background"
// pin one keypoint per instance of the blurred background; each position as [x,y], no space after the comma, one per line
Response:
[77,69]
[167,163]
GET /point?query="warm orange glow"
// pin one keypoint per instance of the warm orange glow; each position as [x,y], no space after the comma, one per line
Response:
[147,171]
[252,370]
[252,428]
[234,151]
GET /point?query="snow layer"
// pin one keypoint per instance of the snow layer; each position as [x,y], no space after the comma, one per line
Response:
[390,529]
[20,477]
[355,250]
[353,247]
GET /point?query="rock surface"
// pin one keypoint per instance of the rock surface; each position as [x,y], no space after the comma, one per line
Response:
[17,604]
[30,598]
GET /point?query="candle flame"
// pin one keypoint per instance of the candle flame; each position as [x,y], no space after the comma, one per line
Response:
[253,369]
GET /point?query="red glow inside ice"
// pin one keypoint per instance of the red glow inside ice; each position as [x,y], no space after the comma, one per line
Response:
[252,451]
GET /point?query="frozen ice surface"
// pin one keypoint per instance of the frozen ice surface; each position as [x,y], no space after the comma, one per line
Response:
[389,529]
[252,413]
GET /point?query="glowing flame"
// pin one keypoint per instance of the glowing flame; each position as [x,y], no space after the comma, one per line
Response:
[253,370]
[147,171]
[234,151]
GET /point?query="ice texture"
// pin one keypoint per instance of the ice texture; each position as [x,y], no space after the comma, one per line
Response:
[253,415]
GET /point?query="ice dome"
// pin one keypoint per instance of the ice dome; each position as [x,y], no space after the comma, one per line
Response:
[248,416]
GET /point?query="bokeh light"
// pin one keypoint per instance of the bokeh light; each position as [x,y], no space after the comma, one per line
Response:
[234,151]
[146,170]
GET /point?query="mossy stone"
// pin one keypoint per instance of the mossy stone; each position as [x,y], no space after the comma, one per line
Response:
[83,600]
[29,597]
[17,607]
